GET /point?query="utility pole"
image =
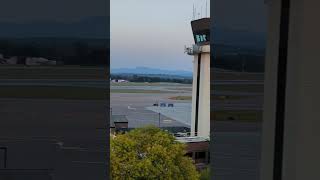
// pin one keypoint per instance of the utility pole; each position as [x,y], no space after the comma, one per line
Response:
[159,119]
[5,153]
[243,63]
[207,8]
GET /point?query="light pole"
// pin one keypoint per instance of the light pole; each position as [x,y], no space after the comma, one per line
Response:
[159,119]
[5,153]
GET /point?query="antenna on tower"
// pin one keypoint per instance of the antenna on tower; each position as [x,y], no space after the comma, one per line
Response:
[193,18]
[195,13]
[206,8]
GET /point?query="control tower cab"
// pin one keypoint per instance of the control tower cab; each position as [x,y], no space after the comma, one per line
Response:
[200,115]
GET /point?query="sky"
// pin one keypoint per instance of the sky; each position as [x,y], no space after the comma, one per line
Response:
[51,10]
[152,33]
[247,15]
[148,33]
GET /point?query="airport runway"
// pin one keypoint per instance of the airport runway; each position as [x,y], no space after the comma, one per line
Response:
[102,83]
[72,132]
[56,82]
[134,106]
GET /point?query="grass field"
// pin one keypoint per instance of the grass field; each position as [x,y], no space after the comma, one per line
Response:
[188,87]
[236,75]
[43,92]
[239,87]
[237,115]
[53,72]
[51,92]
[149,84]
[137,91]
[181,98]
[214,97]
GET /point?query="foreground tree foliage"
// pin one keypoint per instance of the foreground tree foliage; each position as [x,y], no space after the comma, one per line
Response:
[150,153]
[205,174]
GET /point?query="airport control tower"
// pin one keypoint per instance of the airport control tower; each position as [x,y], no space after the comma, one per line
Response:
[200,116]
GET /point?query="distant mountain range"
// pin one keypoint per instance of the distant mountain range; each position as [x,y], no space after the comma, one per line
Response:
[90,27]
[239,38]
[150,71]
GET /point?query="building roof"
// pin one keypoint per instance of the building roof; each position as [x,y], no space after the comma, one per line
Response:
[192,139]
[117,119]
[112,125]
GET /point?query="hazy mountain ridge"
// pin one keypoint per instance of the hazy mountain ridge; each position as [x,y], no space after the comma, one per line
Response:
[150,71]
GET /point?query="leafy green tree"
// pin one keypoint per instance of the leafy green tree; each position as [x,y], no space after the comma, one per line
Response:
[205,174]
[150,153]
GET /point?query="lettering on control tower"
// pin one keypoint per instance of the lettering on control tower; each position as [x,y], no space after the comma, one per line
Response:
[201,31]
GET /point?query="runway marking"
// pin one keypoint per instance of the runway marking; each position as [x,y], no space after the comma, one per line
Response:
[132,108]
[167,121]
[73,148]
[88,162]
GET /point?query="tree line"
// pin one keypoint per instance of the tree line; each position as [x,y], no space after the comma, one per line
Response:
[151,79]
[69,52]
